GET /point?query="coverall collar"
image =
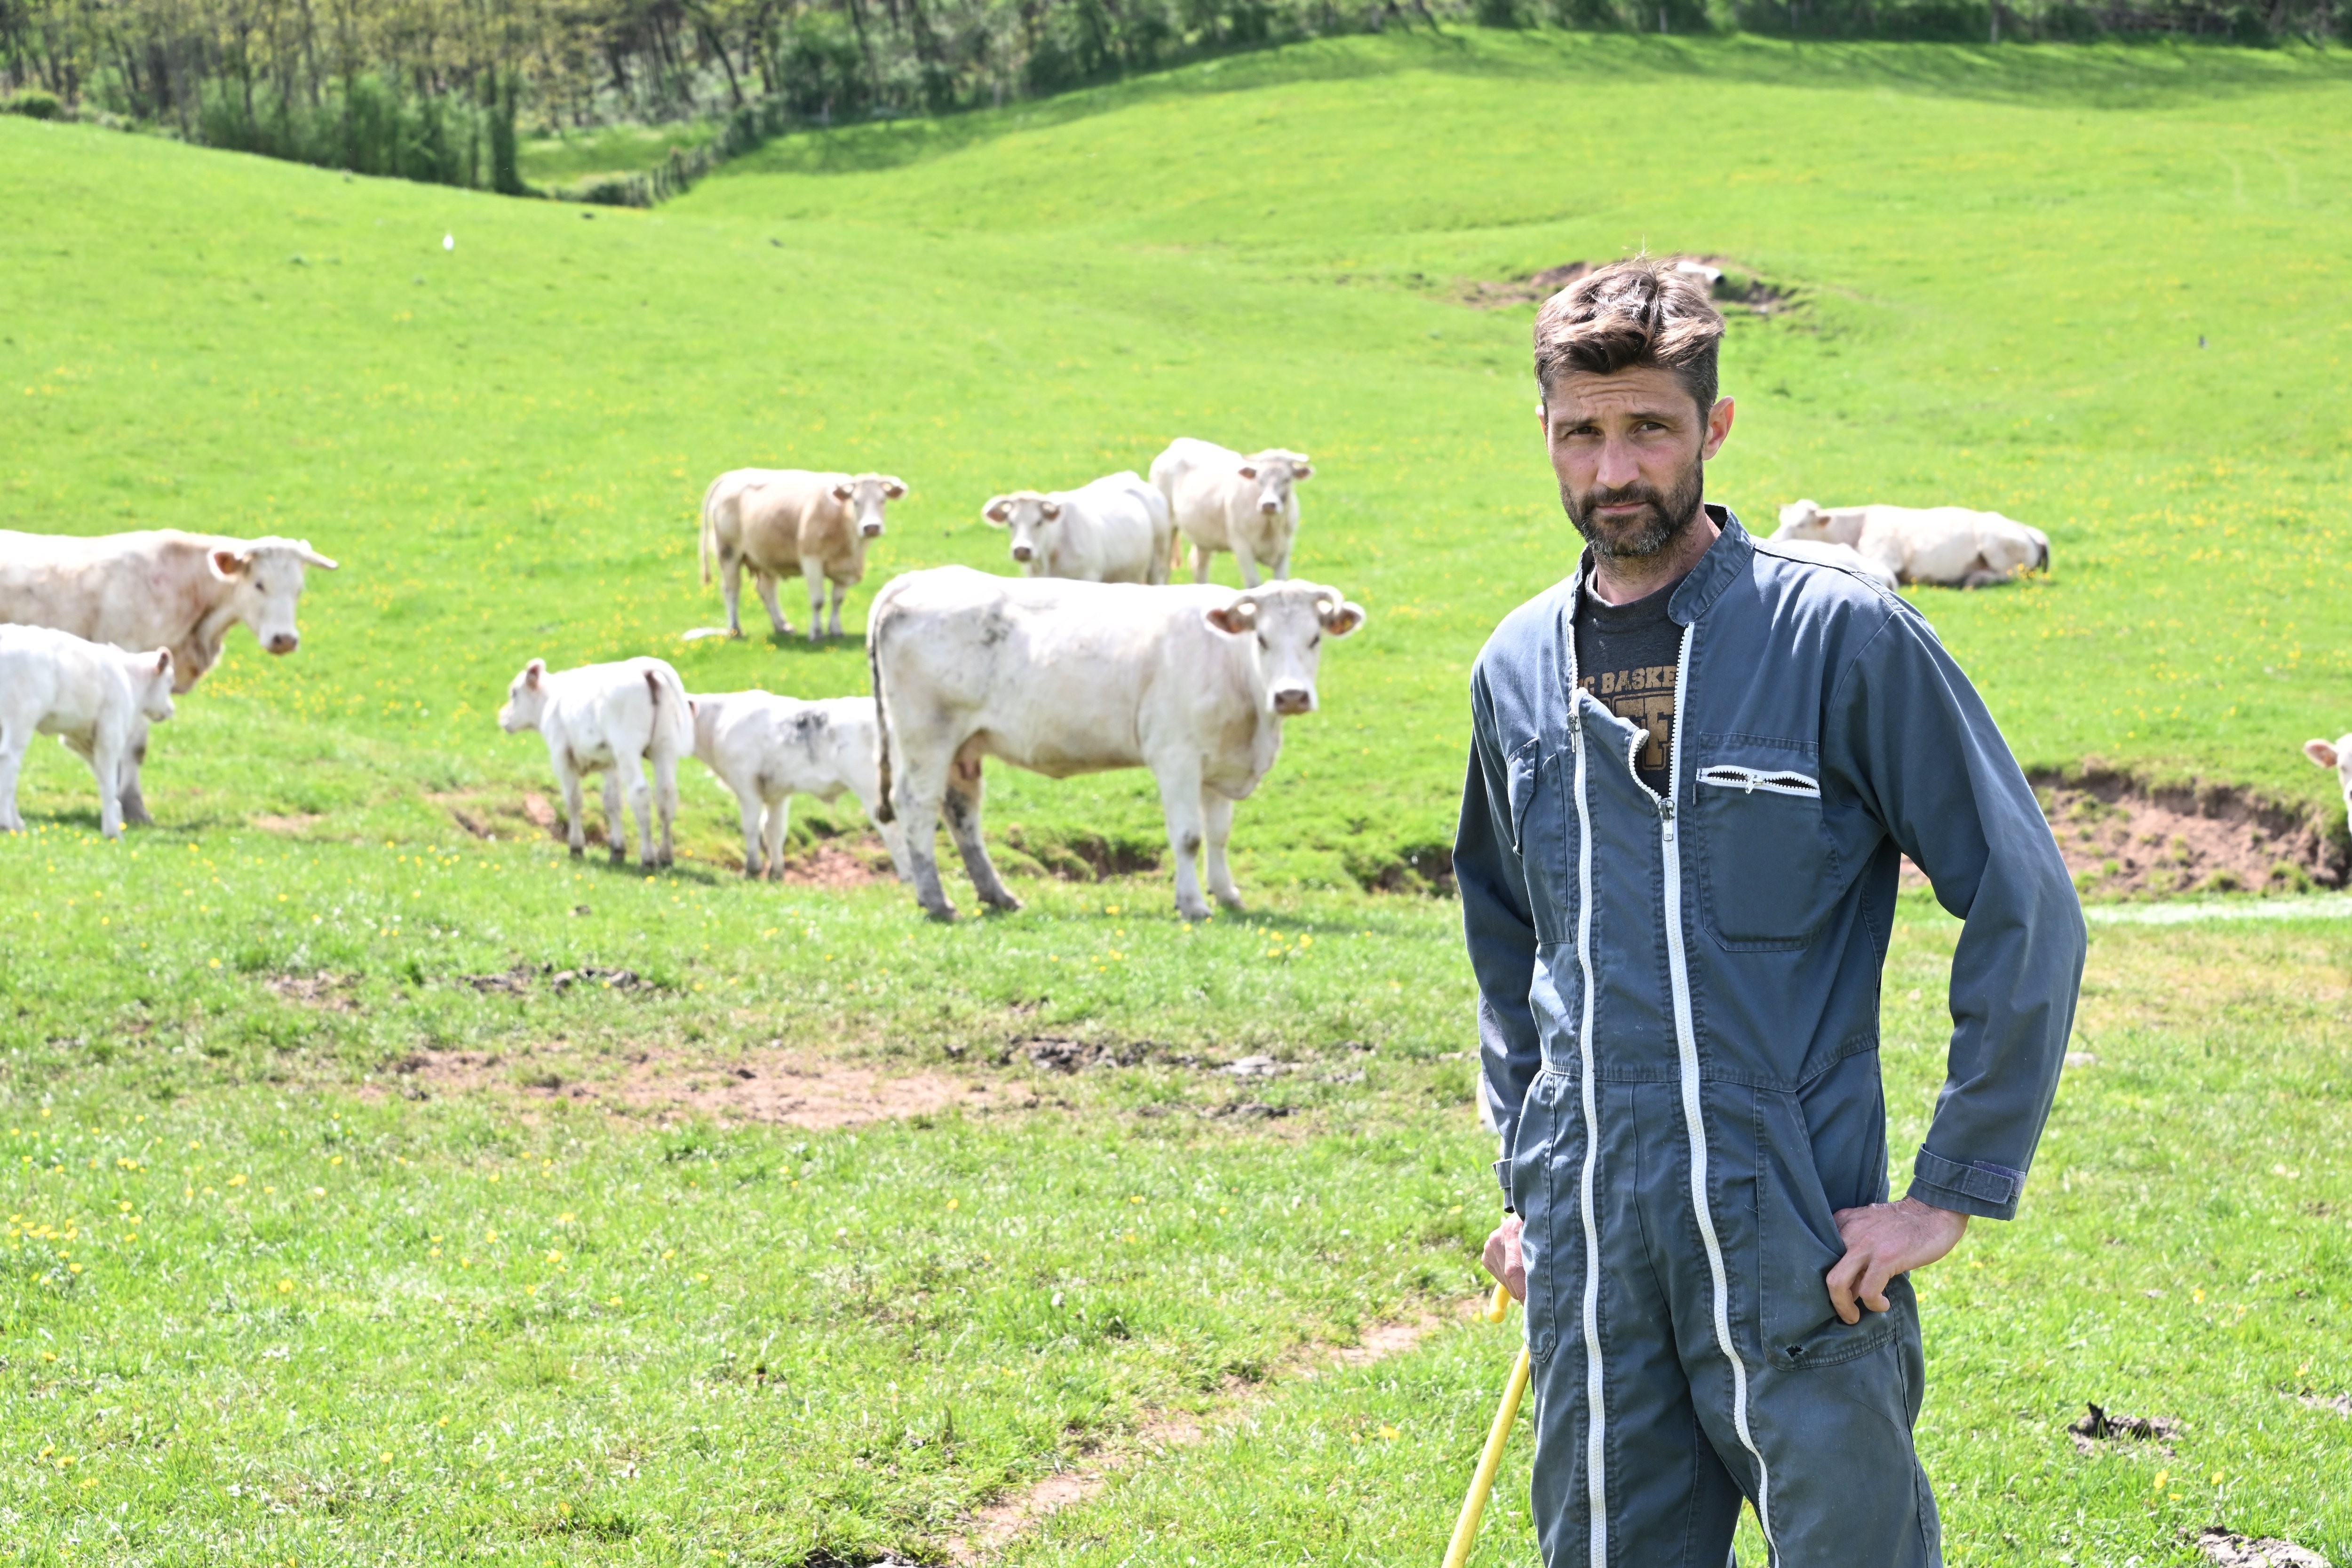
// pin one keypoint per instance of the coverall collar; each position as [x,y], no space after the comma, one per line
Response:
[1725,563]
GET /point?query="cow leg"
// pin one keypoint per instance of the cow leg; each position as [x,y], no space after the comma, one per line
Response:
[1201,553]
[631,772]
[963,807]
[616,827]
[766,582]
[840,592]
[749,805]
[1247,560]
[134,805]
[780,818]
[666,804]
[106,764]
[1217,816]
[576,830]
[11,758]
[915,797]
[814,571]
[731,586]
[1180,802]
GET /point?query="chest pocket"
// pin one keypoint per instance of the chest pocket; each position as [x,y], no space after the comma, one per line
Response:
[1540,803]
[1770,866]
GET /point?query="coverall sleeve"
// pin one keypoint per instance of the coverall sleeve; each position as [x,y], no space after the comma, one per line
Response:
[1499,929]
[1911,736]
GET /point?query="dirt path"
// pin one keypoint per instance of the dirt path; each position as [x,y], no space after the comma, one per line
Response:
[989,1531]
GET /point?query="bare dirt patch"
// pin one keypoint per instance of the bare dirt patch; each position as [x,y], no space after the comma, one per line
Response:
[782,1088]
[2229,1550]
[291,825]
[327,991]
[2102,1426]
[2120,837]
[833,864]
[992,1529]
[1729,282]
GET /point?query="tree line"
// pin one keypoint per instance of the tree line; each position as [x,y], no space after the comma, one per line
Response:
[439,89]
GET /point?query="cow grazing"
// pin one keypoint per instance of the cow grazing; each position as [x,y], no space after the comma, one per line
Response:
[1841,555]
[94,695]
[1222,501]
[611,719]
[782,521]
[1945,546]
[768,749]
[162,589]
[1115,529]
[2339,756]
[1065,678]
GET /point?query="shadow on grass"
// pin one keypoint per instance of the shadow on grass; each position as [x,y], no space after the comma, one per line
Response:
[2105,76]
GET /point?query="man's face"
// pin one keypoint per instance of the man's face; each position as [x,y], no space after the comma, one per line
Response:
[1630,452]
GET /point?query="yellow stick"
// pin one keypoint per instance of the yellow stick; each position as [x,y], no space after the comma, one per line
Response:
[1473,1507]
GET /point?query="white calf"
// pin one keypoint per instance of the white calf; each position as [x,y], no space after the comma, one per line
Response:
[95,698]
[611,719]
[768,749]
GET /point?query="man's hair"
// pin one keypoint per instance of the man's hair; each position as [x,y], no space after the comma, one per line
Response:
[1628,314]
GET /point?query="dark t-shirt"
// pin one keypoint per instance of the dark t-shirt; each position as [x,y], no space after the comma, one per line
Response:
[1626,655]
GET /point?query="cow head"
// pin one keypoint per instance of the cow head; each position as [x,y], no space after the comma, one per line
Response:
[265,579]
[864,495]
[526,699]
[2339,756]
[2012,550]
[150,682]
[1035,521]
[1806,520]
[1275,471]
[1288,622]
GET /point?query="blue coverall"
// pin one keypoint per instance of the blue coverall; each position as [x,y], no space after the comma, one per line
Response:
[1679,1030]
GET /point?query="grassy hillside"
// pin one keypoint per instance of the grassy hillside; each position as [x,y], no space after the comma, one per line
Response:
[308,1029]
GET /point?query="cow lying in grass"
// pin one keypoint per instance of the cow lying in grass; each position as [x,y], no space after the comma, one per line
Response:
[160,589]
[95,698]
[768,749]
[612,719]
[1066,677]
[1943,546]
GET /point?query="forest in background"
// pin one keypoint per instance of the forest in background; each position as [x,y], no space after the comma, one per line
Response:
[435,89]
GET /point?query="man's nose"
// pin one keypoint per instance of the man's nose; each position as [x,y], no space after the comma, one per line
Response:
[1618,468]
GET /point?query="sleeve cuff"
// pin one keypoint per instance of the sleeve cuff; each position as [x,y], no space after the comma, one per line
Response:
[1982,1189]
[1503,1175]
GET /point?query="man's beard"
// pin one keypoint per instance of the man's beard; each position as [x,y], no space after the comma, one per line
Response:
[1659,526]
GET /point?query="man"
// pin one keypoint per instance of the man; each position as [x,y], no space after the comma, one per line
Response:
[1695,768]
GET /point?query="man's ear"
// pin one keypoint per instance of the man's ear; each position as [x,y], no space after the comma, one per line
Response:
[1236,619]
[998,513]
[232,565]
[2320,752]
[1718,428]
[532,671]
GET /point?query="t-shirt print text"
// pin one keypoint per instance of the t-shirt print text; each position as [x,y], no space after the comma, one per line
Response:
[1645,696]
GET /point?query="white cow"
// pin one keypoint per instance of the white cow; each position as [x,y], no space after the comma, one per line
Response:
[1222,501]
[768,749]
[1845,555]
[92,696]
[611,719]
[1947,546]
[2338,756]
[1115,529]
[1065,678]
[779,522]
[162,589]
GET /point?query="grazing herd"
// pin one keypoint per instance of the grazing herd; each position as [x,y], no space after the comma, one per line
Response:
[1088,659]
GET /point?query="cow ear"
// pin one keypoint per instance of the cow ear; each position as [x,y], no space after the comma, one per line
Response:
[1051,508]
[694,707]
[1235,619]
[1302,469]
[2320,752]
[998,511]
[162,661]
[311,557]
[892,489]
[843,492]
[230,564]
[1340,617]
[1249,470]
[532,671]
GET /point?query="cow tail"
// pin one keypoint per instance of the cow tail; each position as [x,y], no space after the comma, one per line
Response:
[875,623]
[707,537]
[680,717]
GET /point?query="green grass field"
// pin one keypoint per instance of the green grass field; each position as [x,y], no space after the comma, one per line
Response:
[706,1336]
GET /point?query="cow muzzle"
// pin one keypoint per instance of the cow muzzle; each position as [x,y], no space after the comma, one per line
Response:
[872,530]
[1292,700]
[1022,553]
[1269,506]
[283,643]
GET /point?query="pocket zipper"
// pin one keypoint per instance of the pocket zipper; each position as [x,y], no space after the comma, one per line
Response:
[1753,779]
